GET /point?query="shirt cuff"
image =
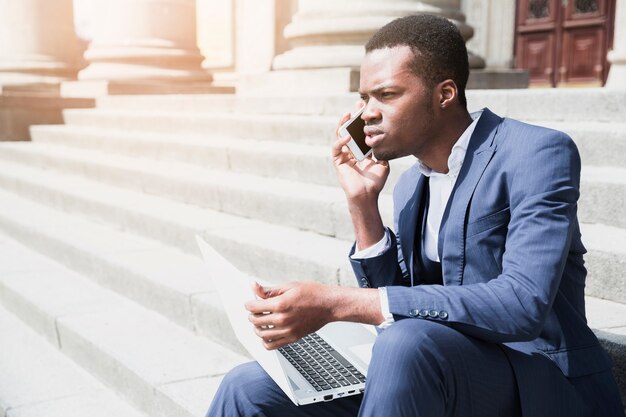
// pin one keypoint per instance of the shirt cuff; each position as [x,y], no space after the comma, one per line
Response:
[375,250]
[384,308]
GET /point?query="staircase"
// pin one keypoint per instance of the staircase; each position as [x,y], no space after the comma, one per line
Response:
[105,306]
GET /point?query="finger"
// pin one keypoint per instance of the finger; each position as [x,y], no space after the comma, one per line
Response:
[269,335]
[265,292]
[338,146]
[260,306]
[260,320]
[343,119]
[259,290]
[277,343]
[382,162]
[273,345]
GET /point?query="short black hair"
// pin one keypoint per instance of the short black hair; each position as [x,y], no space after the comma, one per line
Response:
[438,45]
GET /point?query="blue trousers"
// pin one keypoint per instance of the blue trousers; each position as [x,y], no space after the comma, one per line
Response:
[418,369]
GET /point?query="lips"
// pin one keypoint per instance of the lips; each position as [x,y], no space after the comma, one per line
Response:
[372,130]
[373,136]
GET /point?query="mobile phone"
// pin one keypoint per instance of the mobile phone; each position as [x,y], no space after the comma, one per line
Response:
[354,128]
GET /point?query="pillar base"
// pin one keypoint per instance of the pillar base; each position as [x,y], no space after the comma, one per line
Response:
[300,82]
[35,72]
[617,73]
[320,56]
[24,106]
[103,88]
[617,78]
[483,79]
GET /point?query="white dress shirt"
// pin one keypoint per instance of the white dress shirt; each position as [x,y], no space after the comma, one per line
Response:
[440,187]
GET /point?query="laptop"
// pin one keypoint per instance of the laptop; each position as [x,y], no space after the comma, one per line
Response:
[328,364]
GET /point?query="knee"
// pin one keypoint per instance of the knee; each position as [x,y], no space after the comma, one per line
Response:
[416,350]
[413,339]
[240,375]
[238,390]
[411,353]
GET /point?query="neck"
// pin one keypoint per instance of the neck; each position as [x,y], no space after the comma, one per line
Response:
[453,124]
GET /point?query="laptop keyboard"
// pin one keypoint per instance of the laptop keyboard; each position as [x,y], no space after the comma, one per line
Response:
[321,365]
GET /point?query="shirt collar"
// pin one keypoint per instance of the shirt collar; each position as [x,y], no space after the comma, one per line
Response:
[457,155]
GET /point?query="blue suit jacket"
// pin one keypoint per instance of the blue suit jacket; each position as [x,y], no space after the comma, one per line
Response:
[512,259]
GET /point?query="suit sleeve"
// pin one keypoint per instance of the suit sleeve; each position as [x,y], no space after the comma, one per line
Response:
[384,270]
[514,305]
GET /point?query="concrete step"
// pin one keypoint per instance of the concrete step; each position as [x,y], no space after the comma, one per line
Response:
[157,366]
[320,105]
[161,278]
[79,318]
[605,261]
[595,138]
[321,209]
[37,380]
[603,195]
[176,223]
[600,144]
[589,104]
[276,253]
[173,102]
[278,127]
[608,319]
[156,275]
[289,161]
[558,104]
[603,190]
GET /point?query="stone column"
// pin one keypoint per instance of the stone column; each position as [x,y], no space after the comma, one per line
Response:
[216,33]
[494,36]
[37,42]
[331,33]
[617,57]
[142,42]
[38,50]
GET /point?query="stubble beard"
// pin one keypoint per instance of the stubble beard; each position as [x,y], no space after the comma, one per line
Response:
[391,154]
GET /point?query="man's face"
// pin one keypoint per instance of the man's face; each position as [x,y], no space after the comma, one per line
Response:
[398,105]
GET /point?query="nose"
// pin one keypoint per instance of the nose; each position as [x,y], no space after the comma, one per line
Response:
[371,114]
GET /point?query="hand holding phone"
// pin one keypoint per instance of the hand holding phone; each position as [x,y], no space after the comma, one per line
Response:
[354,128]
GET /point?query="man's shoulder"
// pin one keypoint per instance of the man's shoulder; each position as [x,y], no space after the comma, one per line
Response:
[509,124]
[521,145]
[518,135]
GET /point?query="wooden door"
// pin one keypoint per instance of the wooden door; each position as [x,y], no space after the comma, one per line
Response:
[564,42]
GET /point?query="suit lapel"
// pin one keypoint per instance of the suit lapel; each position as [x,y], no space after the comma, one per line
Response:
[479,153]
[407,222]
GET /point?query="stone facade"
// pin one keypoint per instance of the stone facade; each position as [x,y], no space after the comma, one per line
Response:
[184,41]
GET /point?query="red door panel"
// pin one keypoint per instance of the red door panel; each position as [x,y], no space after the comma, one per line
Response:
[582,59]
[564,42]
[537,55]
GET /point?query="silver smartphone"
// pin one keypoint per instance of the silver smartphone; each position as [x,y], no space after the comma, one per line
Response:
[354,128]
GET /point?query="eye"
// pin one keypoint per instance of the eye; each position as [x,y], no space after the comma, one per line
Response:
[364,97]
[387,94]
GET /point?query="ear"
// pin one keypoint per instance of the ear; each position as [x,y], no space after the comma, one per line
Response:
[448,93]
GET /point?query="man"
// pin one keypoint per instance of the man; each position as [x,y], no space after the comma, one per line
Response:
[480,288]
